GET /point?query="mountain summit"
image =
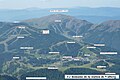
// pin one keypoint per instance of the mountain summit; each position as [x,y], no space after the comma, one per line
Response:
[60,23]
[107,32]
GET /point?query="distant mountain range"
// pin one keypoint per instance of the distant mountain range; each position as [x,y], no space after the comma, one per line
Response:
[94,15]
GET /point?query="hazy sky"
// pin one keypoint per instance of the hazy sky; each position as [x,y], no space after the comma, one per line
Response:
[13,4]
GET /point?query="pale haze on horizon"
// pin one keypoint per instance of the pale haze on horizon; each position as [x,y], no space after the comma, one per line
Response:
[21,4]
